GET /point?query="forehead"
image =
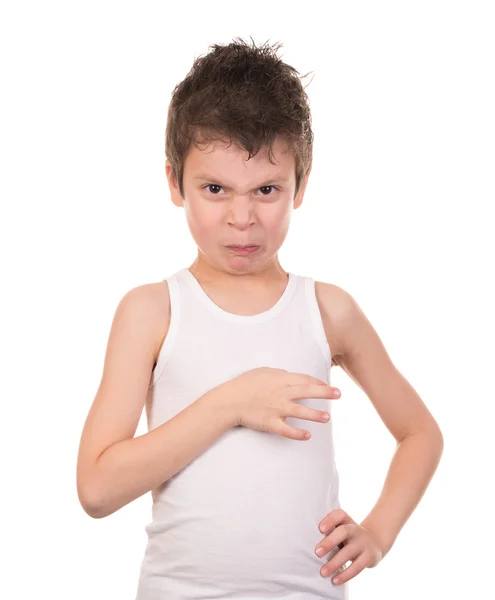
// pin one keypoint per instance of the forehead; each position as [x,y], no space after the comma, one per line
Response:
[221,156]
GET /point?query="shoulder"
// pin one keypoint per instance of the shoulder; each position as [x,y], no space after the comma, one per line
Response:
[147,307]
[337,308]
[338,303]
[147,299]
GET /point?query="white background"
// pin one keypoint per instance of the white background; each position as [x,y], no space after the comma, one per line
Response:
[397,212]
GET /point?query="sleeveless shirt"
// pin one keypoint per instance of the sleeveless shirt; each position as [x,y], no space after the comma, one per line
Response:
[241,520]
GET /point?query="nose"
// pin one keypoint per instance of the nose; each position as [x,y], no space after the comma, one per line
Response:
[241,213]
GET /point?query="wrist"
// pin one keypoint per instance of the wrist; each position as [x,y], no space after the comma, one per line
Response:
[384,542]
[220,401]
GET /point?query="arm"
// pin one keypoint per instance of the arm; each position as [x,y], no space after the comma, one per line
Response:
[364,358]
[413,465]
[113,466]
[132,467]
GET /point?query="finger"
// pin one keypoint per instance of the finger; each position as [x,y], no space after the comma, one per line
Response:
[338,561]
[301,411]
[358,565]
[302,379]
[336,538]
[291,432]
[299,391]
[319,382]
[335,518]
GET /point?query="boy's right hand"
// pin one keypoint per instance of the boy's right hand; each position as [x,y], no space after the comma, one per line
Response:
[263,398]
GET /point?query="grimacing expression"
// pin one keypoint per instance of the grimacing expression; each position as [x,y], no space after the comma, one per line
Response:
[230,200]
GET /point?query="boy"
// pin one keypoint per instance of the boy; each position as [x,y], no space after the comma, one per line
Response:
[231,355]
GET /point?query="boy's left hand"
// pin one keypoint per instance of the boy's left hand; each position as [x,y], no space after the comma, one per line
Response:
[358,544]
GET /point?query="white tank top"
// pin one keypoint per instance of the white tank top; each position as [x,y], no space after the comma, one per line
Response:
[241,520]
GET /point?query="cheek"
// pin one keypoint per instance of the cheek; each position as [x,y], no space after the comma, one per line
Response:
[202,224]
[277,222]
[198,218]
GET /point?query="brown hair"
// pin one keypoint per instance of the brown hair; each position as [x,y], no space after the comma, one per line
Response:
[245,94]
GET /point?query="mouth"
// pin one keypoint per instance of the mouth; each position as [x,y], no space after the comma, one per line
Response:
[247,249]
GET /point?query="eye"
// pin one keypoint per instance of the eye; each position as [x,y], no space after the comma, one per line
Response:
[214,185]
[211,185]
[267,187]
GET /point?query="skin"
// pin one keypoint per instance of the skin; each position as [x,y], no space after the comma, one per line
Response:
[238,207]
[241,211]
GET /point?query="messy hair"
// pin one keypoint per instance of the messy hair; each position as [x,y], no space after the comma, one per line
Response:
[244,94]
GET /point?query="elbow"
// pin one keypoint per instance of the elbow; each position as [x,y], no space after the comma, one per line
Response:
[95,507]
[93,510]
[440,438]
[432,431]
[434,436]
[90,503]
[431,434]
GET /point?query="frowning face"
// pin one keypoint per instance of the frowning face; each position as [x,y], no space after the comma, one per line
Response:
[230,200]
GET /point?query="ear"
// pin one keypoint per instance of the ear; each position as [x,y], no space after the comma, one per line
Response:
[173,185]
[300,194]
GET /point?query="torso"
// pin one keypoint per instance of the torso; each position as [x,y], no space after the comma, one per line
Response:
[326,294]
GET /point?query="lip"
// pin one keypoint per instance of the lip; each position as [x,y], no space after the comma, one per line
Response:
[250,249]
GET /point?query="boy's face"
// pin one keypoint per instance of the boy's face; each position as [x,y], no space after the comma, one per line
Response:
[230,200]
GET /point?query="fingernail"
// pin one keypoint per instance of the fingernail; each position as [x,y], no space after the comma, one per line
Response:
[320,551]
[323,528]
[336,393]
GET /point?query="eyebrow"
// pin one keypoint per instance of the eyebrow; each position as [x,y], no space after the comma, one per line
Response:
[276,178]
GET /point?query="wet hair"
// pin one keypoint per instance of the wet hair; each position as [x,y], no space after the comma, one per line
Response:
[244,94]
